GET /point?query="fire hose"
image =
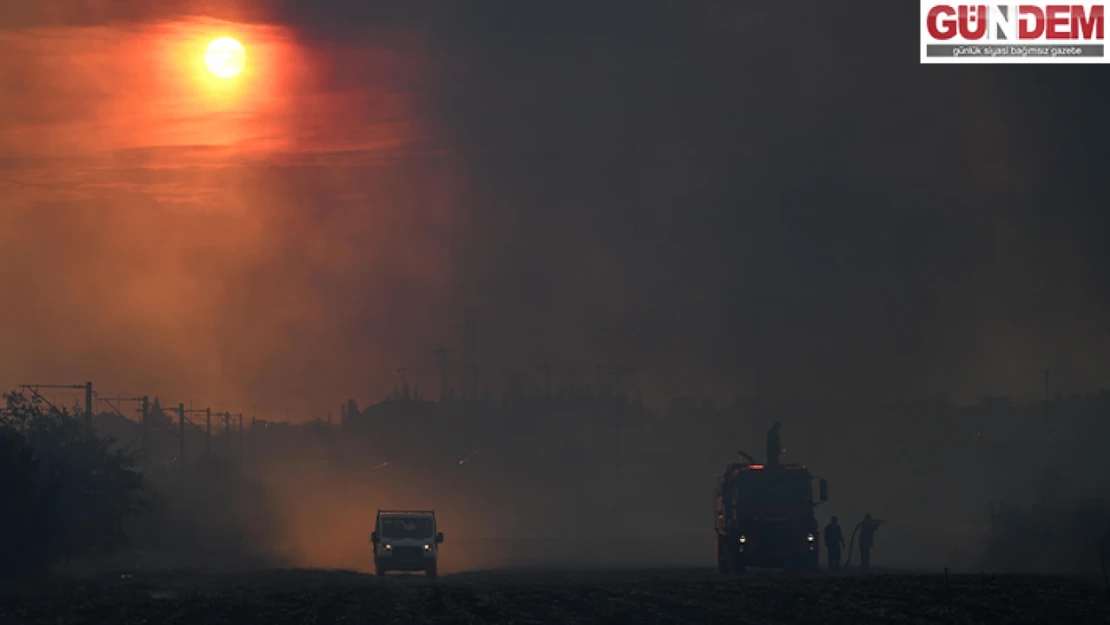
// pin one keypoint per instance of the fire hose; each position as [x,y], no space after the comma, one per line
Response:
[852,542]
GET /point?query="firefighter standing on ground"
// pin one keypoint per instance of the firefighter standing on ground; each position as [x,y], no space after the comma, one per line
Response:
[774,445]
[834,541]
[866,541]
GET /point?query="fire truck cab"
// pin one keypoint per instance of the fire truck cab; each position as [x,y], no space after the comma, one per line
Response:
[765,517]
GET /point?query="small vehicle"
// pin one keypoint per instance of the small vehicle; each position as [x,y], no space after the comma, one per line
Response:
[765,517]
[406,540]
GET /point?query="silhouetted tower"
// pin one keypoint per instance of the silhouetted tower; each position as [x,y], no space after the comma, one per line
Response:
[147,442]
[441,355]
[88,404]
[181,435]
[404,381]
[470,356]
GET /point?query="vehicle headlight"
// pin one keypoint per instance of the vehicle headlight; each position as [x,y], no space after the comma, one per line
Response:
[809,537]
[743,539]
[388,547]
[427,547]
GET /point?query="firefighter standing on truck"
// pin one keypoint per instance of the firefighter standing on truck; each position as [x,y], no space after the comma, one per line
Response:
[774,445]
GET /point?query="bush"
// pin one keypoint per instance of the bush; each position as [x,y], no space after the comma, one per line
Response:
[65,492]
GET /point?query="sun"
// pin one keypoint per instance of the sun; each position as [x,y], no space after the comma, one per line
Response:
[225,57]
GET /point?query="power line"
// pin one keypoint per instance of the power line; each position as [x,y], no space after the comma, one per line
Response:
[441,356]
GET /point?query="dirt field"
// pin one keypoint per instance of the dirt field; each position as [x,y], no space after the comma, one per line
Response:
[665,596]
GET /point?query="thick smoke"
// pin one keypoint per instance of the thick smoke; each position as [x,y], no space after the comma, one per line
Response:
[653,190]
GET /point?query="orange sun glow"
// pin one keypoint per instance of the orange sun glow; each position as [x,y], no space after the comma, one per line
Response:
[225,57]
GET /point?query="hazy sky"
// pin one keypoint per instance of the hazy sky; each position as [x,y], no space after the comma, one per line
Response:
[613,182]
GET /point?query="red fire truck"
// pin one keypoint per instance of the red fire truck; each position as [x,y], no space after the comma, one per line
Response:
[765,517]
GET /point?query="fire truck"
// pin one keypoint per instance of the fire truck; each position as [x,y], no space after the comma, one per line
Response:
[765,517]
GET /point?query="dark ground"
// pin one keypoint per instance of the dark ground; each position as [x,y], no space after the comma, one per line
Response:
[662,596]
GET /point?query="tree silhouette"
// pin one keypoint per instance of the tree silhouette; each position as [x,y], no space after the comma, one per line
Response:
[66,492]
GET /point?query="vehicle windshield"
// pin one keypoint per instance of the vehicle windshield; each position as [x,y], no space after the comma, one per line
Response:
[765,489]
[394,527]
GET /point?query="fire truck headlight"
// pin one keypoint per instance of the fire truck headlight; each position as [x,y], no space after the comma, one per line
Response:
[743,539]
[809,537]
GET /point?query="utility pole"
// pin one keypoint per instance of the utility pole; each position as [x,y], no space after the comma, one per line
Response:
[207,432]
[227,433]
[87,386]
[404,380]
[148,444]
[88,404]
[476,344]
[145,423]
[181,427]
[441,355]
[242,458]
[470,355]
[119,399]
